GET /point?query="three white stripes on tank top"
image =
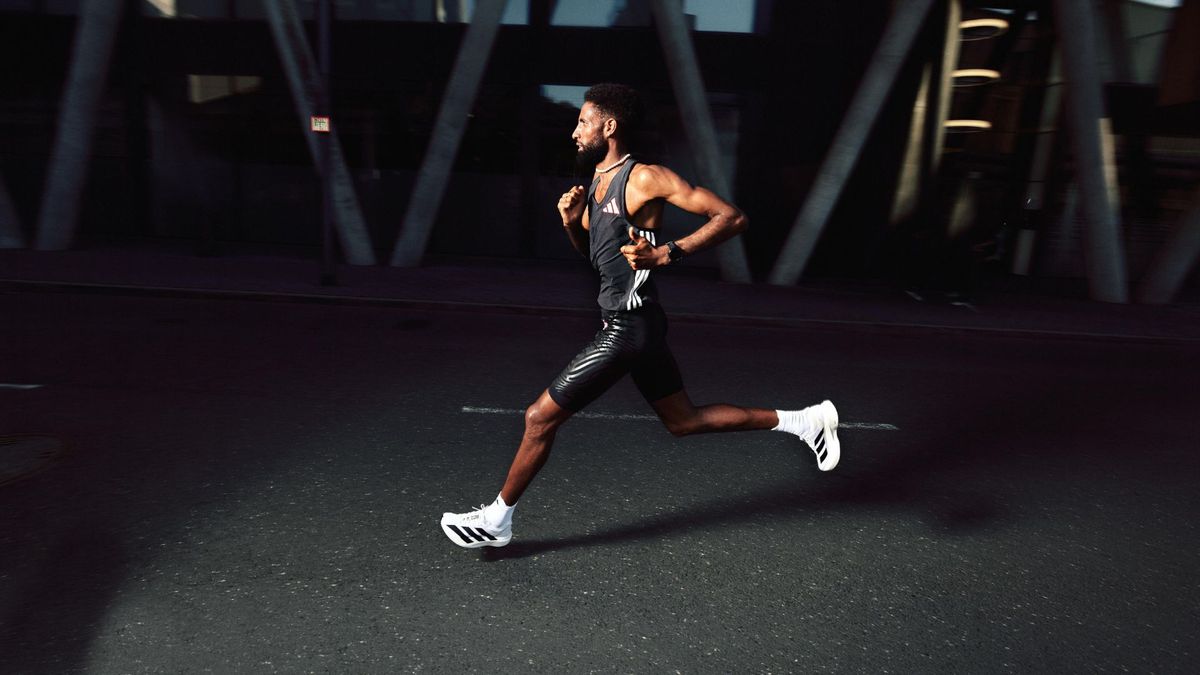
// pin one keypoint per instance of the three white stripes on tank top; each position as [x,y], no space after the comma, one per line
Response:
[640,276]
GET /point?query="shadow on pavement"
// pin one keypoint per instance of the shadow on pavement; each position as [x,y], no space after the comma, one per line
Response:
[51,622]
[958,512]
[944,477]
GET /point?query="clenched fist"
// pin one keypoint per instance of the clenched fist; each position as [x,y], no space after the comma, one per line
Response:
[570,205]
[641,254]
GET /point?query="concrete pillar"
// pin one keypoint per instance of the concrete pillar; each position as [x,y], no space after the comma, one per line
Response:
[1095,173]
[927,136]
[304,80]
[894,46]
[701,133]
[469,67]
[1033,203]
[10,227]
[912,176]
[1175,260]
[66,175]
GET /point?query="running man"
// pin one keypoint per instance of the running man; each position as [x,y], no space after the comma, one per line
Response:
[615,224]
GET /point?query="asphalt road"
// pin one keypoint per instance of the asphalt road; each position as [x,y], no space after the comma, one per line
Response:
[255,487]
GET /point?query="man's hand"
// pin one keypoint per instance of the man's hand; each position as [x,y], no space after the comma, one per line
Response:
[642,255]
[570,205]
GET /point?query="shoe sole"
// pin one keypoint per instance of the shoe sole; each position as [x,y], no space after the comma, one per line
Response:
[468,537]
[833,447]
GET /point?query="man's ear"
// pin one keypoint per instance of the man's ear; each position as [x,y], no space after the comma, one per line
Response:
[610,127]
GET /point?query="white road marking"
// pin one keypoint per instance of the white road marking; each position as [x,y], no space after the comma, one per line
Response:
[873,426]
[22,387]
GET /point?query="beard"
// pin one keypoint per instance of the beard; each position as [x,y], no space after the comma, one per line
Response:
[587,157]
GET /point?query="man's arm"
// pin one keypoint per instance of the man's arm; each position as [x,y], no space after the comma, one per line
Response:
[725,220]
[571,206]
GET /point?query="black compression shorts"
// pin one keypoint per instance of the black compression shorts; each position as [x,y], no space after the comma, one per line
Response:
[631,342]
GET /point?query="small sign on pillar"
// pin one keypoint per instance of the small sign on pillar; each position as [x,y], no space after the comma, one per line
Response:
[320,124]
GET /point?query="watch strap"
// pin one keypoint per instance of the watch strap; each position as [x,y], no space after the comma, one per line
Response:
[674,253]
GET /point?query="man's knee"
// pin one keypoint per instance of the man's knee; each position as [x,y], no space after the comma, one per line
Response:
[539,418]
[682,425]
[678,414]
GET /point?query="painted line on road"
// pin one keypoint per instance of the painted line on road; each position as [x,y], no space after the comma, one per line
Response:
[872,426]
[21,387]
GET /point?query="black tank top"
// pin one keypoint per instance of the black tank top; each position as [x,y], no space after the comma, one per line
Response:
[621,287]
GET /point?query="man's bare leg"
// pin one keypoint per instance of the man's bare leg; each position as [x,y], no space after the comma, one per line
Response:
[542,420]
[683,418]
[491,525]
[816,426]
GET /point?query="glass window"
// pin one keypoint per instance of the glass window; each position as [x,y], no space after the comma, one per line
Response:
[516,12]
[595,13]
[722,16]
[729,16]
[446,11]
[564,93]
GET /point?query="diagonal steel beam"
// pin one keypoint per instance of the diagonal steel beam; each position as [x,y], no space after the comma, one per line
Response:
[680,54]
[304,80]
[851,136]
[448,131]
[1095,169]
[1039,162]
[10,226]
[1174,261]
[927,136]
[951,48]
[914,170]
[91,55]
[1116,39]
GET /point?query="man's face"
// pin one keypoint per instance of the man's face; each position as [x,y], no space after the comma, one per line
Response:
[590,143]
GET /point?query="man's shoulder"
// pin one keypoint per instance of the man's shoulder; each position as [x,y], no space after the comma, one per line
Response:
[648,175]
[640,167]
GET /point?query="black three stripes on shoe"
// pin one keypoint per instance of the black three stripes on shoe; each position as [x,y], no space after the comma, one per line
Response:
[819,445]
[478,533]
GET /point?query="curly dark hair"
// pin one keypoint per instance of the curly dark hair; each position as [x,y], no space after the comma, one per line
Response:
[622,103]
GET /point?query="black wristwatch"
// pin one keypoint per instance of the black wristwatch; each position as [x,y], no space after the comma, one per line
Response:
[674,253]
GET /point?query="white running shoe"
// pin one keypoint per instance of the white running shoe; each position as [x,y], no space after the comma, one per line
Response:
[824,441]
[471,530]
